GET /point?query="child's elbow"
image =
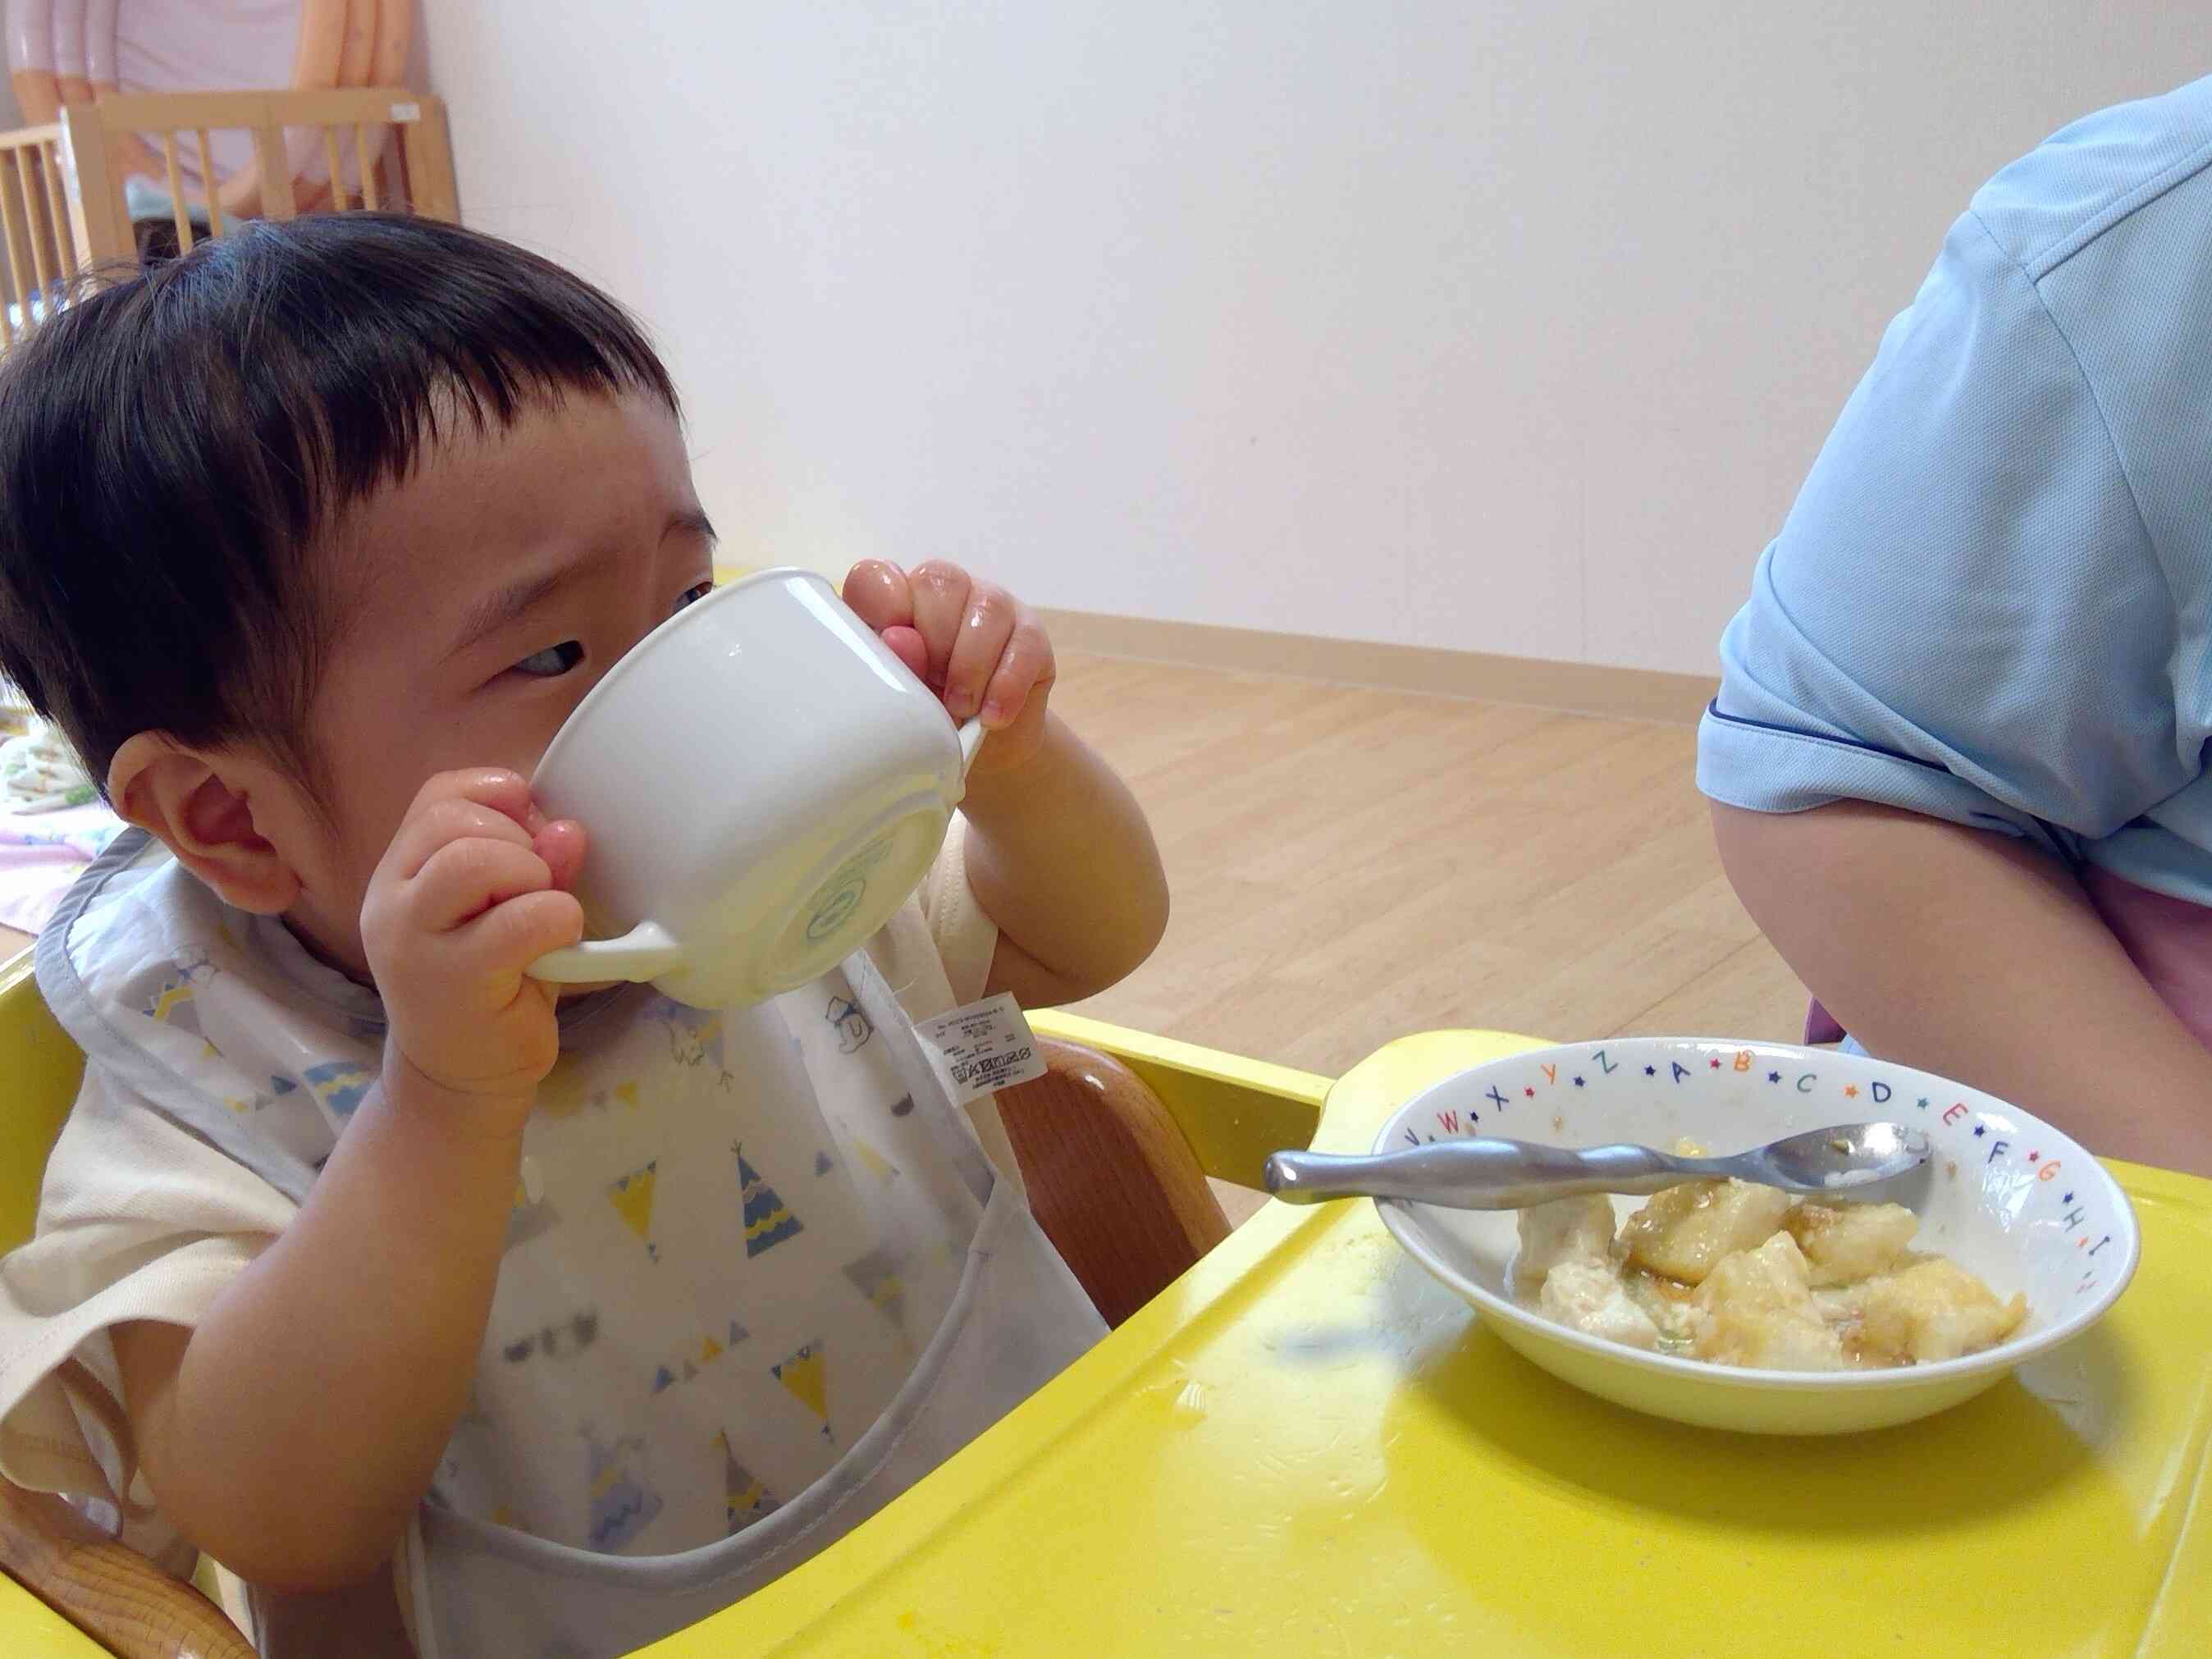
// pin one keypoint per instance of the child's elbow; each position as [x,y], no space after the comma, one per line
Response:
[309,1566]
[1148,926]
[1145,925]
[1109,955]
[294,1552]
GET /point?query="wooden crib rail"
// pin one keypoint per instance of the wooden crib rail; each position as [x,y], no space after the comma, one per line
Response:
[35,222]
[62,208]
[416,173]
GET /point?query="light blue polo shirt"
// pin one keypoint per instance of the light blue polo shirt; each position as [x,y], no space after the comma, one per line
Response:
[1993,601]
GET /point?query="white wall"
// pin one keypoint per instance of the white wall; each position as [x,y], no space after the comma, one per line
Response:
[1509,324]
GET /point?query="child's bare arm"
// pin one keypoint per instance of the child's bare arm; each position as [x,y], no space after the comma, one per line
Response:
[1059,851]
[1978,957]
[1061,856]
[292,1432]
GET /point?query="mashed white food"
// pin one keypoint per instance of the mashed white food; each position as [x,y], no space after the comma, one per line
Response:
[1738,1275]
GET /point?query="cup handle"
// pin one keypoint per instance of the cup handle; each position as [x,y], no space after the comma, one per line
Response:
[645,952]
[971,739]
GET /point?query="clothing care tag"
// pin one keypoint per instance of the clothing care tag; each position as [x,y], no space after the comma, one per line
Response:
[987,1045]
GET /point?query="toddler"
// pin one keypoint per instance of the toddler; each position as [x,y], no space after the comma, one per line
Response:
[586,1314]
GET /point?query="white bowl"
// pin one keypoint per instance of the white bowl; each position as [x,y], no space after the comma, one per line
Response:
[2005,1195]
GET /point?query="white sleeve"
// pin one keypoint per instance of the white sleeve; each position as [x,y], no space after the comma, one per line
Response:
[138,1219]
[965,936]
[944,923]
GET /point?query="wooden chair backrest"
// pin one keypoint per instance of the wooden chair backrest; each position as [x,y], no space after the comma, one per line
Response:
[1113,1182]
[115,1596]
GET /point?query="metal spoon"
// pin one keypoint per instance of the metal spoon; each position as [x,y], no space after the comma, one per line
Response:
[1512,1175]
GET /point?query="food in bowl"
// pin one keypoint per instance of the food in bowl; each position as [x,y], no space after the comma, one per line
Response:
[1739,1274]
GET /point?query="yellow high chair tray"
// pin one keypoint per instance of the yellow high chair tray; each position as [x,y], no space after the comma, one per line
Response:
[1307,1445]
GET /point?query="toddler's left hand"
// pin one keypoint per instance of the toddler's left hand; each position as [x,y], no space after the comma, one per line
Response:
[973,644]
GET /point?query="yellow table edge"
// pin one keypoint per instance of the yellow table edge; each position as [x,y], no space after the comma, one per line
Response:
[1233,1111]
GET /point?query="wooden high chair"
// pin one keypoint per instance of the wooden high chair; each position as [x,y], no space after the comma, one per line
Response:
[63,207]
[1113,1179]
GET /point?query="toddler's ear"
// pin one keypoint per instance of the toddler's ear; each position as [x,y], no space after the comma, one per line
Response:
[199,805]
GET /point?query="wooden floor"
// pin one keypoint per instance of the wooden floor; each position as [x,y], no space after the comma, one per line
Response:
[1349,865]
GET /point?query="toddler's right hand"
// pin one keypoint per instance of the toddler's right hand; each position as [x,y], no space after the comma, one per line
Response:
[468,894]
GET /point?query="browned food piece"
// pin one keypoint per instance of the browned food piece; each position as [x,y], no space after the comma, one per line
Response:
[1684,1230]
[1934,1309]
[1845,1243]
[1755,1309]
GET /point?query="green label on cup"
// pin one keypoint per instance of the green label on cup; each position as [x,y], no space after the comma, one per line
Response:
[841,895]
[837,909]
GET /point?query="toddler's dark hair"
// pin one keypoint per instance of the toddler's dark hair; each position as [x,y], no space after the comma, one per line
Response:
[176,448]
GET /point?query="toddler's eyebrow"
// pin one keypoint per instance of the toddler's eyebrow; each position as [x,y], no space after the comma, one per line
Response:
[693,519]
[509,604]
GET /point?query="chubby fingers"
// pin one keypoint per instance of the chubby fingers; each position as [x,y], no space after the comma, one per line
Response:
[881,596]
[472,842]
[1024,672]
[980,647]
[562,844]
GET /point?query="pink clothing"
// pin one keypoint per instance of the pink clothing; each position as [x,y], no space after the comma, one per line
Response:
[41,856]
[2169,939]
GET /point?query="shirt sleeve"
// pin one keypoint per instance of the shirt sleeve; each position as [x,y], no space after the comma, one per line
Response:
[138,1218]
[1963,616]
[945,921]
[965,936]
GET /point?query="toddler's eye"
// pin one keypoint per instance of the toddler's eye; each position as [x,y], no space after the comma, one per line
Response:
[553,662]
[696,594]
